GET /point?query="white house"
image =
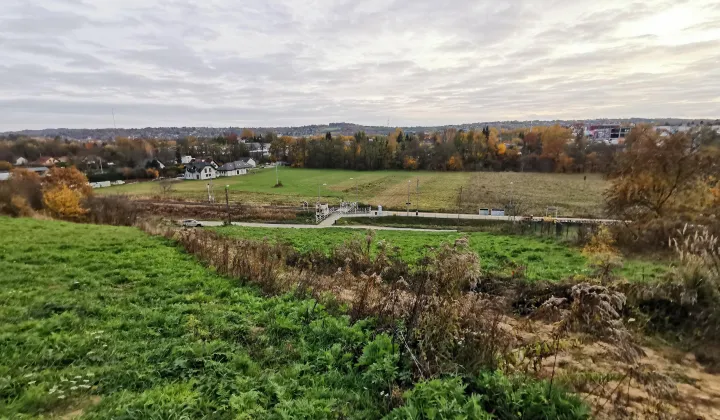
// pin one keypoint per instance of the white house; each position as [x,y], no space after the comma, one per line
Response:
[234,168]
[200,170]
[185,159]
[21,161]
[248,160]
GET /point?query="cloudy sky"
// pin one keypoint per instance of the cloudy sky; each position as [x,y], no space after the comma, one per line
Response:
[69,63]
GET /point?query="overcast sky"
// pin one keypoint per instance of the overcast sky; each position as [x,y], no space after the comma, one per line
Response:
[69,63]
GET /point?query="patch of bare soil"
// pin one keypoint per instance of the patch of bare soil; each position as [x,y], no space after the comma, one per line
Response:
[214,211]
[665,383]
[78,409]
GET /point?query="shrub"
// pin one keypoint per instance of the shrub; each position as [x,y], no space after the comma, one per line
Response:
[439,399]
[518,397]
[111,210]
[63,202]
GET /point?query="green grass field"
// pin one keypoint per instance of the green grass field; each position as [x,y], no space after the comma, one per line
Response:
[104,322]
[545,258]
[118,324]
[438,191]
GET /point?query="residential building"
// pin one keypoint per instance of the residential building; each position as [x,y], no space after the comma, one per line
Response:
[185,159]
[248,160]
[233,168]
[200,170]
[46,161]
[21,161]
[40,170]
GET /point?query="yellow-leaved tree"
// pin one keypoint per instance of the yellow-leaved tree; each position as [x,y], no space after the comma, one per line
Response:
[64,190]
[63,202]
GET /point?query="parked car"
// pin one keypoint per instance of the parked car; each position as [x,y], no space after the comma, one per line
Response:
[191,223]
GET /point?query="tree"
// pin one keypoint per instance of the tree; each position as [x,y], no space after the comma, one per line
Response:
[247,134]
[69,177]
[64,202]
[166,186]
[328,136]
[5,166]
[658,177]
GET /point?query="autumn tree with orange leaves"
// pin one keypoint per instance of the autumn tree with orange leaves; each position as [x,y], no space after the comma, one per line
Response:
[64,190]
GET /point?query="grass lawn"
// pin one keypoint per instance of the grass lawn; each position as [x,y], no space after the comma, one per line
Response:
[545,258]
[112,323]
[438,191]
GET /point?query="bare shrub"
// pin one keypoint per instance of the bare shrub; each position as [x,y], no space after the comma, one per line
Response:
[166,187]
[597,310]
[111,210]
[22,194]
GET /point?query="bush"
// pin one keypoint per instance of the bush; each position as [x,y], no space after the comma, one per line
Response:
[111,210]
[439,399]
[518,397]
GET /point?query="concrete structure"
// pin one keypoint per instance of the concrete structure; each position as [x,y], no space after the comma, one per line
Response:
[186,159]
[21,161]
[613,134]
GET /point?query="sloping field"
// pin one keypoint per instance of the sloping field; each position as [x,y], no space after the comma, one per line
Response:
[111,323]
[574,194]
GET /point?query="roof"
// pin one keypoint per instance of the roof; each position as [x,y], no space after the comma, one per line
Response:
[231,166]
[245,159]
[197,166]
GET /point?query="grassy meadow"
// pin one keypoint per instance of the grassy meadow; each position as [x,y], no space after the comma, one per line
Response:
[574,194]
[112,323]
[544,258]
[102,322]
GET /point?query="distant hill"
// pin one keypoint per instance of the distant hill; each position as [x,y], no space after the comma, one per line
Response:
[308,130]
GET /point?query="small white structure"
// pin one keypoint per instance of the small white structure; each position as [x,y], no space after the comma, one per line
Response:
[200,170]
[21,161]
[101,184]
[185,159]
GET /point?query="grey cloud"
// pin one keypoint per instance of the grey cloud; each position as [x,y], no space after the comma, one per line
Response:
[277,63]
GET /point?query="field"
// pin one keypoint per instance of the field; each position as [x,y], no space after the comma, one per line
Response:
[117,324]
[545,258]
[574,194]
[107,322]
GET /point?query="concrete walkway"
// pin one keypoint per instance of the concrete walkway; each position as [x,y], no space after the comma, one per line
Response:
[210,223]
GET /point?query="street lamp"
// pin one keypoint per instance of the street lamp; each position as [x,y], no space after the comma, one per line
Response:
[319,192]
[357,200]
[227,203]
[512,207]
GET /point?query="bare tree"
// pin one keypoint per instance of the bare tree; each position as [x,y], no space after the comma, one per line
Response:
[166,187]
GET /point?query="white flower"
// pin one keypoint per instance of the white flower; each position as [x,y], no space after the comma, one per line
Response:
[85,380]
[78,377]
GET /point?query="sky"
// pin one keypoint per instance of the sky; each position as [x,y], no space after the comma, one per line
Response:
[73,63]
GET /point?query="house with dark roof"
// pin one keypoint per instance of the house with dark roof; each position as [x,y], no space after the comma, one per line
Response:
[234,168]
[200,170]
[250,161]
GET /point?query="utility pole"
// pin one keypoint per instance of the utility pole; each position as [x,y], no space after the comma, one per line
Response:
[227,204]
[460,202]
[512,207]
[417,197]
[408,198]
